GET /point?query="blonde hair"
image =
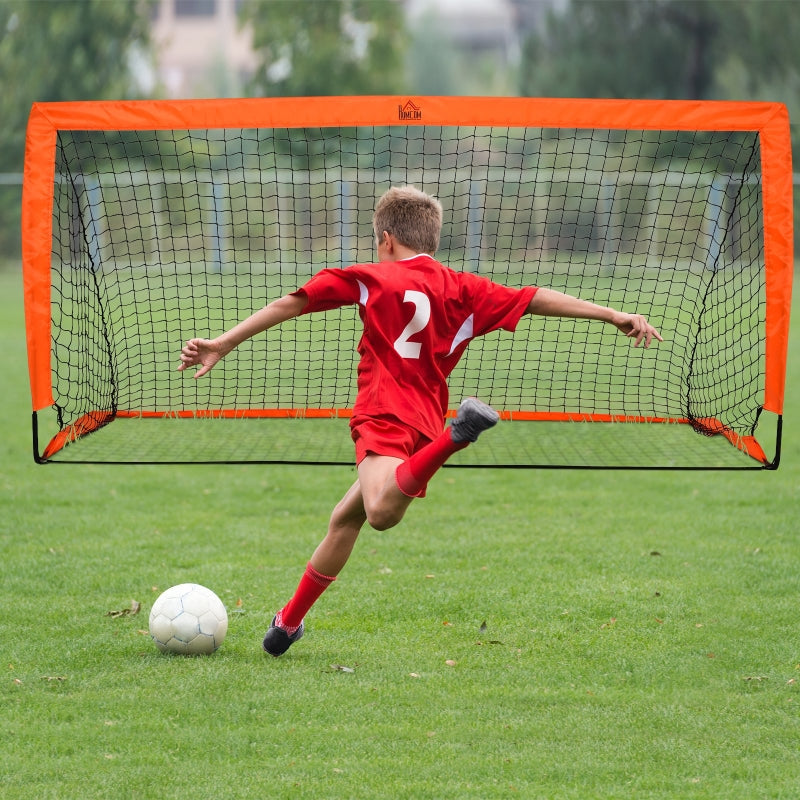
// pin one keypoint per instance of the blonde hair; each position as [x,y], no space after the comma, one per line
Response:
[411,216]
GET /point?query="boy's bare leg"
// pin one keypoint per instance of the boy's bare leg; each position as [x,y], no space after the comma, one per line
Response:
[384,503]
[344,526]
[328,559]
[387,504]
[373,498]
[376,497]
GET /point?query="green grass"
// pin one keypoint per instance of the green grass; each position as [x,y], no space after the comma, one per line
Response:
[615,634]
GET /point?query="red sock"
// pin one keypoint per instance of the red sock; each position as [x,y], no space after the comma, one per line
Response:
[412,476]
[311,586]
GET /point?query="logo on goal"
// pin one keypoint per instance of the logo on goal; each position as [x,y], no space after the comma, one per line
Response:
[409,111]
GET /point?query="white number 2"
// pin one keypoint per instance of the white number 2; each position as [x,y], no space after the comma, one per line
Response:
[422,316]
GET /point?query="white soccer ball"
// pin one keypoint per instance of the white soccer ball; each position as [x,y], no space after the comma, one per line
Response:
[188,619]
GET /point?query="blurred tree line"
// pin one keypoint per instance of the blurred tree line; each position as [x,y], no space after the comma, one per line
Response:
[681,49]
[54,50]
[706,49]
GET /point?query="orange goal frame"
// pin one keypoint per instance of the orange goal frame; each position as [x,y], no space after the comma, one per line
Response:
[769,120]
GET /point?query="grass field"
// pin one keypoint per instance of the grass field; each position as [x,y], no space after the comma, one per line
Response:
[537,634]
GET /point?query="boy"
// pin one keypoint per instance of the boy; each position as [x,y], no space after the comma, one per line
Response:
[418,317]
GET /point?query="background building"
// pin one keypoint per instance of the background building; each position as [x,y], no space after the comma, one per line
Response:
[203,51]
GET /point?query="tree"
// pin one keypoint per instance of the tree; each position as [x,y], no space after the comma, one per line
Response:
[54,50]
[625,48]
[683,49]
[438,64]
[661,48]
[337,47]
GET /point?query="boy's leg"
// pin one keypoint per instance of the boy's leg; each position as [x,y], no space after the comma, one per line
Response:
[384,502]
[376,475]
[384,490]
[347,519]
[472,419]
[327,561]
[388,485]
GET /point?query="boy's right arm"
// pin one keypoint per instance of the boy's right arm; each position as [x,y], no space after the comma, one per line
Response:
[550,303]
[207,352]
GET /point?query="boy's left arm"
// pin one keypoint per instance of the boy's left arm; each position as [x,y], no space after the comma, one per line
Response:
[550,303]
[205,353]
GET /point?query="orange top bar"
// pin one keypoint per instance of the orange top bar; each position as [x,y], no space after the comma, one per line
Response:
[302,112]
[769,119]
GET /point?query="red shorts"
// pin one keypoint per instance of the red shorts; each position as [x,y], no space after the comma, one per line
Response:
[385,436]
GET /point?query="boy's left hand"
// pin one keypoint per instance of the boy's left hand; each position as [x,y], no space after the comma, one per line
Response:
[204,353]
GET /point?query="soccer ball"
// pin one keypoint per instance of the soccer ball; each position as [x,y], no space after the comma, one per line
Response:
[188,619]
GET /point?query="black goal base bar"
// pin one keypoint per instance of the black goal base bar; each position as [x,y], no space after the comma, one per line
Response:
[326,442]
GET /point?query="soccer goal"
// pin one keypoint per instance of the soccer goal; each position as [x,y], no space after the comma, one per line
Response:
[147,223]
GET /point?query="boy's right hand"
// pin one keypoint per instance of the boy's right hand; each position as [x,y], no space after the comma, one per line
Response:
[636,327]
[203,352]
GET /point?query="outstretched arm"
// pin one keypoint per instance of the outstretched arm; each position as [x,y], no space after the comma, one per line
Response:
[550,303]
[205,353]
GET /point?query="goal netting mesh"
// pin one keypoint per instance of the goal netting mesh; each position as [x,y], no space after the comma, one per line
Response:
[163,233]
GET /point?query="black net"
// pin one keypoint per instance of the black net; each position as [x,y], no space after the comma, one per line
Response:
[159,236]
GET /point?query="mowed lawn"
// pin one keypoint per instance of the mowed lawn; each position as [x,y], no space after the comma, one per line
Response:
[523,633]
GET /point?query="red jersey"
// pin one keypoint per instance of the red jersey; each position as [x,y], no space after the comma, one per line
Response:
[419,316]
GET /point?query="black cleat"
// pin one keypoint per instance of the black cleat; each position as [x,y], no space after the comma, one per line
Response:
[472,419]
[277,641]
